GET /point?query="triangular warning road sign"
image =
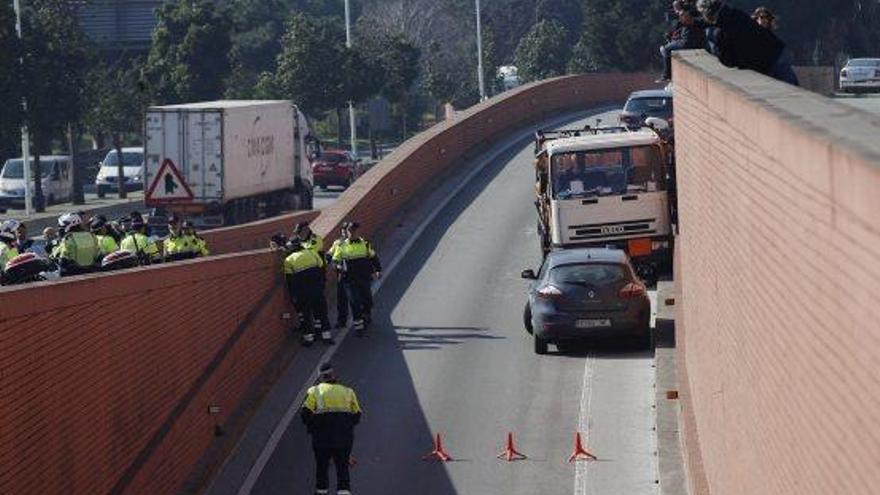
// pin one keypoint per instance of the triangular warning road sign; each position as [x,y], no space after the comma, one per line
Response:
[168,186]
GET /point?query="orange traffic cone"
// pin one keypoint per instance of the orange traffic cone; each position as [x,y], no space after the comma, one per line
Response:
[510,453]
[580,453]
[439,453]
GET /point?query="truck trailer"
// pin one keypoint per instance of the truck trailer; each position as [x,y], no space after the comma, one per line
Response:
[227,162]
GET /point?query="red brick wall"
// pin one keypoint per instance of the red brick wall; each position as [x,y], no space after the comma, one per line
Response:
[779,276]
[106,380]
[254,235]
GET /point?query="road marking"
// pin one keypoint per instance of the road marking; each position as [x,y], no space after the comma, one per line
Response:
[583,426]
[278,433]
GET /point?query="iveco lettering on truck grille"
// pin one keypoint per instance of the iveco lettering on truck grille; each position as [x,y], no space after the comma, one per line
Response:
[607,186]
[228,162]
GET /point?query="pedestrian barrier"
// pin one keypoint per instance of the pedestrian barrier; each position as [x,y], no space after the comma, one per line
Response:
[580,452]
[510,453]
[438,453]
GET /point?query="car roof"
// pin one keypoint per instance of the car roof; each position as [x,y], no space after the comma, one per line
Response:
[588,142]
[651,93]
[586,255]
[863,59]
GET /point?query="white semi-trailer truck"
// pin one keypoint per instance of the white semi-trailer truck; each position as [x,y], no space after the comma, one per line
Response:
[227,162]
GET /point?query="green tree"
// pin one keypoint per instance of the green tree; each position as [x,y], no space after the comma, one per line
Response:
[118,101]
[311,65]
[397,59]
[188,60]
[543,52]
[56,58]
[10,83]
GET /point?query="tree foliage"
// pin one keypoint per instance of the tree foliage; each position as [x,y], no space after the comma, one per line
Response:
[10,83]
[543,52]
[56,58]
[188,59]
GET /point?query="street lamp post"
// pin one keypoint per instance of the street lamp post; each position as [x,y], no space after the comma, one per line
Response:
[480,54]
[25,137]
[351,117]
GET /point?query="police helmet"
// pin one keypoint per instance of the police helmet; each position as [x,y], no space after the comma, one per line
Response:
[98,222]
[69,220]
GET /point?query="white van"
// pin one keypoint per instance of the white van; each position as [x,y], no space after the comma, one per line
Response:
[132,168]
[57,180]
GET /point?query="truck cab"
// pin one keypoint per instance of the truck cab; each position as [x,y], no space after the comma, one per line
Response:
[606,187]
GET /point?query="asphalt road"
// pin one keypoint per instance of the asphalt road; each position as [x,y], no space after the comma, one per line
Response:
[448,354]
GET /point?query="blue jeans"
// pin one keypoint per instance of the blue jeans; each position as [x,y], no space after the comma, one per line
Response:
[666,53]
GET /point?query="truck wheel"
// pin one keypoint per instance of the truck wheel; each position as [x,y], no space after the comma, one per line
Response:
[527,318]
[540,346]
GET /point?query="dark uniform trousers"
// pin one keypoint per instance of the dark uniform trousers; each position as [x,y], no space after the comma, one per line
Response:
[340,459]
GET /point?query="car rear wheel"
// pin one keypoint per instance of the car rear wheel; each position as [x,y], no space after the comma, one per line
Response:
[540,345]
[527,318]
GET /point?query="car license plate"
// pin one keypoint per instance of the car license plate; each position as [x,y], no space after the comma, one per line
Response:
[593,323]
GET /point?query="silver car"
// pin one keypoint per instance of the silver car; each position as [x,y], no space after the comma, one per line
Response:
[860,75]
[589,292]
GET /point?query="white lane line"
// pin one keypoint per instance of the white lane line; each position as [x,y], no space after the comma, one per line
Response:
[278,433]
[586,405]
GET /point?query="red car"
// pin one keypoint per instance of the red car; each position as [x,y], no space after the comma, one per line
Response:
[336,168]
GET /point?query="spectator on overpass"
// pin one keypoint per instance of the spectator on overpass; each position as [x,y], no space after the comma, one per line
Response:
[686,35]
[330,413]
[739,42]
[765,18]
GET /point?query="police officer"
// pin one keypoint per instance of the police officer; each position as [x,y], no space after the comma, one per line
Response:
[7,244]
[358,263]
[342,298]
[178,245]
[330,413]
[303,271]
[107,243]
[200,245]
[79,251]
[137,242]
[308,238]
[23,243]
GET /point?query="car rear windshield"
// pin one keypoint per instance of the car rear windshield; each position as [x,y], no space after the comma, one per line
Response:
[649,106]
[864,62]
[330,158]
[588,273]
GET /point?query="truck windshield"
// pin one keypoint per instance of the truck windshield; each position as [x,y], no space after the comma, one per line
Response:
[14,169]
[582,174]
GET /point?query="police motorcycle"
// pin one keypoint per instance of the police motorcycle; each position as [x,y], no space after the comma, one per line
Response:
[29,267]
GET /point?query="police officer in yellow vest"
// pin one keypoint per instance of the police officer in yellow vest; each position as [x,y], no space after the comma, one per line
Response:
[201,245]
[308,238]
[78,252]
[330,413]
[357,262]
[180,243]
[106,242]
[342,298]
[304,273]
[7,244]
[137,242]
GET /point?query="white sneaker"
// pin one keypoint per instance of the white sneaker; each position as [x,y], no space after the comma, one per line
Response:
[343,492]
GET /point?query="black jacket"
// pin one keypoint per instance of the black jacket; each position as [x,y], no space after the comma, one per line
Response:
[743,44]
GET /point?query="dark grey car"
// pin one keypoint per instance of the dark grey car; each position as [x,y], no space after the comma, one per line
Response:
[587,292]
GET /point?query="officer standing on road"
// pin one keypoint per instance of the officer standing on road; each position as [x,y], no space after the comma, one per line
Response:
[309,239]
[98,225]
[137,242]
[303,271]
[358,263]
[342,298]
[330,413]
[78,252]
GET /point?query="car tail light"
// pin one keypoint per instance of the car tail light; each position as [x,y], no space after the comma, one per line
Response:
[549,292]
[632,290]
